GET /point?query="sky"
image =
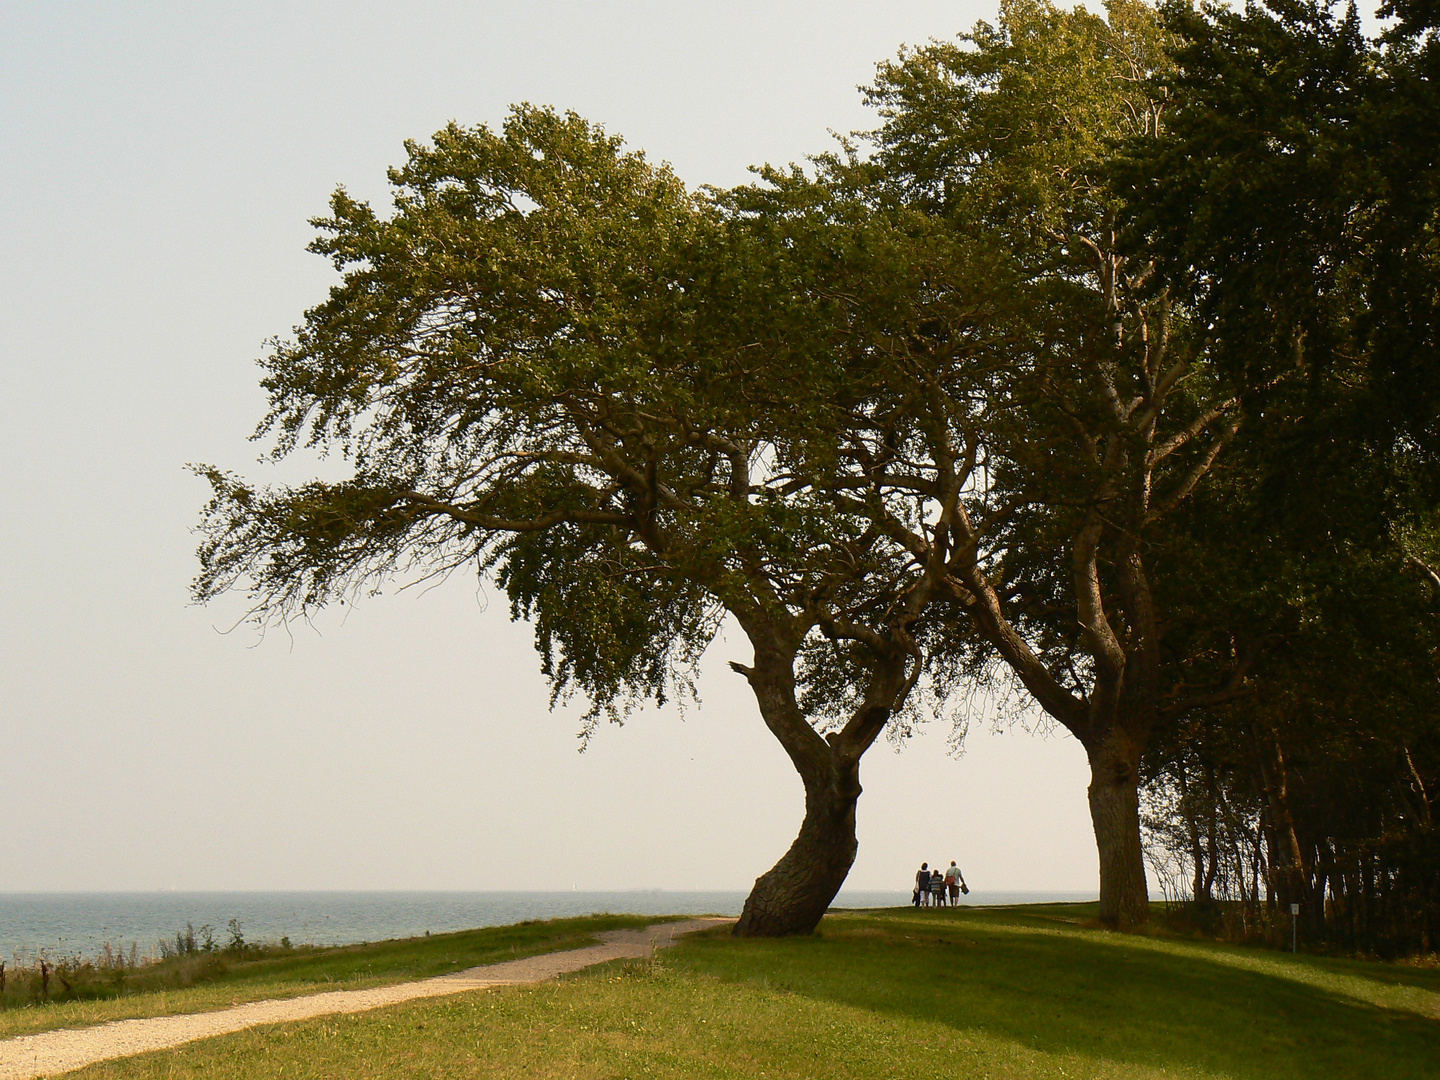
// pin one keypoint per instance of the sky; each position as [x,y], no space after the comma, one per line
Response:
[159,163]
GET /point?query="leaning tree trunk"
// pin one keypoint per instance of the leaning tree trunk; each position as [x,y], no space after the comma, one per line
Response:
[1115,815]
[793,895]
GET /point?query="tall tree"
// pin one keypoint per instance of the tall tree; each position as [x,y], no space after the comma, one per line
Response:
[1293,204]
[1052,508]
[532,367]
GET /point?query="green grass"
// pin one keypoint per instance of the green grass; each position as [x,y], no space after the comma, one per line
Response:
[229,981]
[1002,993]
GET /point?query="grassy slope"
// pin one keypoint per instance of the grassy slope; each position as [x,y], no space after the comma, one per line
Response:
[308,971]
[1002,993]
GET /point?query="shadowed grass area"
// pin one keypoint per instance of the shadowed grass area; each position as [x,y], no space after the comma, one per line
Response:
[1007,993]
[1055,987]
[208,981]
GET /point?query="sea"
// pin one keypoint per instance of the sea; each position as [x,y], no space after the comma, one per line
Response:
[77,924]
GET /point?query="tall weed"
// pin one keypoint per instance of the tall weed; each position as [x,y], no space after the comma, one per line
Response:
[190,957]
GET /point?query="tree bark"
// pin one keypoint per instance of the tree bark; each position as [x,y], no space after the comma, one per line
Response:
[1289,856]
[1198,888]
[794,894]
[1115,816]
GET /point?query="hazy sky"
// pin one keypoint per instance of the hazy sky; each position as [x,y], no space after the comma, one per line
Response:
[160,162]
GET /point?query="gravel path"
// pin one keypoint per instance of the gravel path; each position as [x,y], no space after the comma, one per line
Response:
[54,1052]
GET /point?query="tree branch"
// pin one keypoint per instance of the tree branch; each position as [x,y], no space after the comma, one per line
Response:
[516,525]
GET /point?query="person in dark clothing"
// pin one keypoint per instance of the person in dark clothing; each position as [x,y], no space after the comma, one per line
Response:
[922,885]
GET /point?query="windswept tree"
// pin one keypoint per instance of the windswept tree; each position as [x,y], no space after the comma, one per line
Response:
[542,365]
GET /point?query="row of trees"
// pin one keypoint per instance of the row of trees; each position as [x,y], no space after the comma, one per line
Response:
[1294,201]
[1065,379]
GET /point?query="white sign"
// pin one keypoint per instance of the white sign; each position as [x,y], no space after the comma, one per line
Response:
[1294,909]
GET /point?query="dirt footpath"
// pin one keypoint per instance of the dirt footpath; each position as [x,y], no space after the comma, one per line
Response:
[53,1052]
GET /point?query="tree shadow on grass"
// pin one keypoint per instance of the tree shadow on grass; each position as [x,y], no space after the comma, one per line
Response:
[1060,990]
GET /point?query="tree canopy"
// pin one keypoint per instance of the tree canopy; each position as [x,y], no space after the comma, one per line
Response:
[1102,370]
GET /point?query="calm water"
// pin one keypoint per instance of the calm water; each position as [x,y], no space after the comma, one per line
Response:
[63,924]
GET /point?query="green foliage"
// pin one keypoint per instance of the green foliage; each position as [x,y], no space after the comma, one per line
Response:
[1106,375]
[1020,399]
[541,365]
[1292,203]
[524,275]
[1011,124]
[1295,197]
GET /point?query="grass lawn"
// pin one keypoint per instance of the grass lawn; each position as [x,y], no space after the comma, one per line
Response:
[309,971]
[1020,992]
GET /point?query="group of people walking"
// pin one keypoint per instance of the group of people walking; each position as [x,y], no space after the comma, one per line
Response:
[934,887]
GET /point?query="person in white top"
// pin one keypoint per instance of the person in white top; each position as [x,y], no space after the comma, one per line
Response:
[953,880]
